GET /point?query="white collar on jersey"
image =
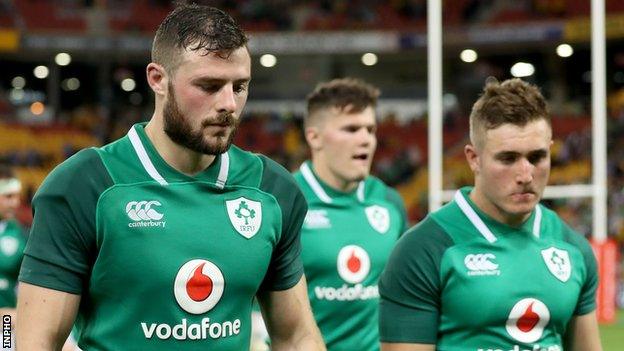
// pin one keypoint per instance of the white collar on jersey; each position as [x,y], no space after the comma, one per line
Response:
[309,177]
[480,225]
[153,172]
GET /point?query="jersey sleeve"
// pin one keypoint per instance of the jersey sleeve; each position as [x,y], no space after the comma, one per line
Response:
[21,245]
[286,267]
[62,243]
[410,286]
[396,199]
[587,297]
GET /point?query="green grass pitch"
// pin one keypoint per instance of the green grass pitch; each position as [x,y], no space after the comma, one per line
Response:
[613,335]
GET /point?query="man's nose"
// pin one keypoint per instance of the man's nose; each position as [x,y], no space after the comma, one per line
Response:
[366,137]
[226,101]
[525,172]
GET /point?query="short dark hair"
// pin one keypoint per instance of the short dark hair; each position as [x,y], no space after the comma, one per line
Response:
[195,27]
[513,101]
[348,94]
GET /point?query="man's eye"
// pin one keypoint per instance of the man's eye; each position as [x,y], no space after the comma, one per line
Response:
[210,88]
[507,159]
[534,159]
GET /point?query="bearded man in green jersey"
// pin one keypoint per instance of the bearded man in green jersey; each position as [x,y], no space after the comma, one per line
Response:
[12,240]
[161,240]
[494,269]
[353,220]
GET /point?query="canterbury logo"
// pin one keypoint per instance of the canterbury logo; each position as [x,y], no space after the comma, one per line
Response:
[481,264]
[143,211]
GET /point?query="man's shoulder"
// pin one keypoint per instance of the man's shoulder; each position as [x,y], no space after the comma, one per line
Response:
[427,234]
[83,169]
[454,222]
[420,249]
[274,172]
[258,170]
[375,184]
[117,147]
[378,188]
[78,161]
[558,229]
[554,226]
[240,155]
[73,169]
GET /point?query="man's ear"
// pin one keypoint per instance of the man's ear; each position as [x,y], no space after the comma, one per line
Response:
[157,78]
[472,156]
[313,137]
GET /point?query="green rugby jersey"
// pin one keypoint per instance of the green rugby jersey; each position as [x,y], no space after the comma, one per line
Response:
[12,242]
[346,239]
[164,261]
[464,281]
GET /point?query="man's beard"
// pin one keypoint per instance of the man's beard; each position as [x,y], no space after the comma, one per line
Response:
[180,131]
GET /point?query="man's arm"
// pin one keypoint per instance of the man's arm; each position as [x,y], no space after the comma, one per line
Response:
[583,334]
[386,346]
[45,317]
[9,311]
[289,319]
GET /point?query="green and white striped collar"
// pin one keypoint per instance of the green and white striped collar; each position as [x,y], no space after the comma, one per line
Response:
[322,190]
[466,206]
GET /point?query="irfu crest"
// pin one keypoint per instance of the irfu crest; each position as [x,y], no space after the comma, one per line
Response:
[8,245]
[379,218]
[245,216]
[243,211]
[558,263]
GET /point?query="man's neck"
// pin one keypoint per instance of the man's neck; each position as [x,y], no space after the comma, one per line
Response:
[178,157]
[331,179]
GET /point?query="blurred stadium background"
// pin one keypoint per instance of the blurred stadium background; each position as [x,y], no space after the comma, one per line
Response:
[72,76]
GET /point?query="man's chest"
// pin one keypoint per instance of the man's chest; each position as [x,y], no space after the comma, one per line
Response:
[348,244]
[516,286]
[151,237]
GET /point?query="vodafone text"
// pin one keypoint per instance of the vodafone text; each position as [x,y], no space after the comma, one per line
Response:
[535,347]
[346,293]
[192,331]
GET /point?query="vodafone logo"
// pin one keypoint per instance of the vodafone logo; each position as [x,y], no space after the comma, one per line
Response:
[527,320]
[353,264]
[198,286]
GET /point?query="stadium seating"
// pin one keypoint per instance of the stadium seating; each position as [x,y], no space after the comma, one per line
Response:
[145,15]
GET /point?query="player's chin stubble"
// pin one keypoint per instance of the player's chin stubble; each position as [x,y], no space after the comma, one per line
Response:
[180,131]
